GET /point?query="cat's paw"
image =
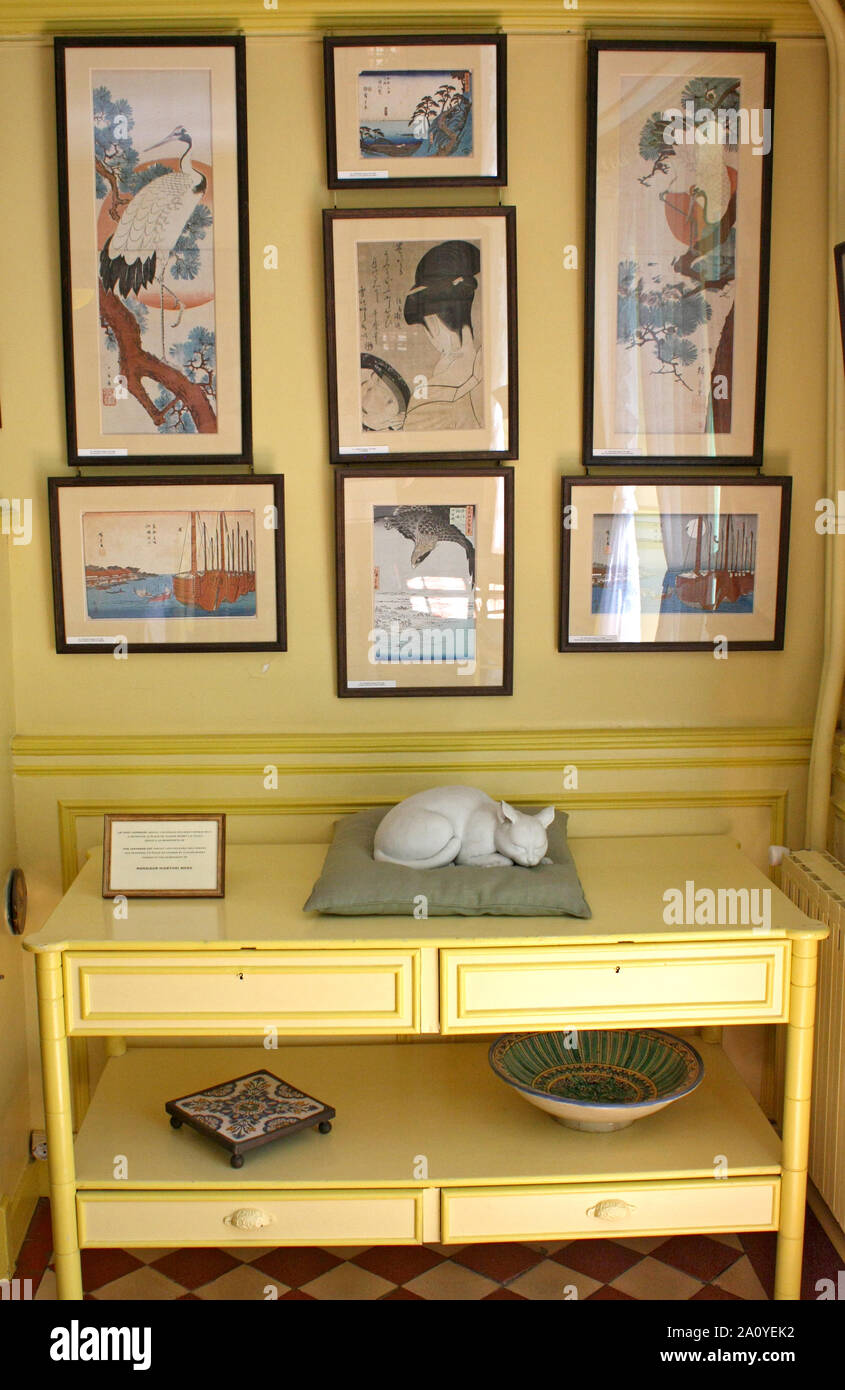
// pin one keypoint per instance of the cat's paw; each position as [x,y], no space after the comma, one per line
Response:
[546,860]
[491,861]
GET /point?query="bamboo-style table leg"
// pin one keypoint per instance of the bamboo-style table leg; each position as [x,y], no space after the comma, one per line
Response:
[796,1117]
[58,1121]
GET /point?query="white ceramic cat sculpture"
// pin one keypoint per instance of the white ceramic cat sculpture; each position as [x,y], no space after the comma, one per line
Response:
[461,825]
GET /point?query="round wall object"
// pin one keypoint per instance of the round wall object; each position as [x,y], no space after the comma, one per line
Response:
[16,902]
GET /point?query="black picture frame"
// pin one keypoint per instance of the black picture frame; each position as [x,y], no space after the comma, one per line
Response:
[336,178]
[343,349]
[273,560]
[102,455]
[392,477]
[594,458]
[572,516]
[839,264]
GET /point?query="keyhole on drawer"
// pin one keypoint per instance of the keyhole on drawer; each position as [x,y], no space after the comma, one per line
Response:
[616,972]
[240,974]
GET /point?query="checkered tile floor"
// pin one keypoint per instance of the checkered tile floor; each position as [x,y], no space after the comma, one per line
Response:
[651,1269]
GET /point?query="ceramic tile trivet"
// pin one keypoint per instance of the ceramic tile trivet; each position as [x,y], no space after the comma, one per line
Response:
[249,1111]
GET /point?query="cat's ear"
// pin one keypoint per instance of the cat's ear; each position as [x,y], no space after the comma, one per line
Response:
[546,816]
[505,813]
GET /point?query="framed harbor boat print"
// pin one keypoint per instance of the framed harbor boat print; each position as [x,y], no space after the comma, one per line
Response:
[170,565]
[154,246]
[674,564]
[424,581]
[421,318]
[416,111]
[678,222]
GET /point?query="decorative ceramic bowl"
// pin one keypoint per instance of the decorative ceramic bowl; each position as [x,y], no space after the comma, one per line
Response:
[600,1080]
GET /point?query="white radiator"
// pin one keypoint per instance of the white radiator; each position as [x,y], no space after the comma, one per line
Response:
[815,882]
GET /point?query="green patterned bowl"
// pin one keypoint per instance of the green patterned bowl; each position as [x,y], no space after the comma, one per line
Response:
[599,1080]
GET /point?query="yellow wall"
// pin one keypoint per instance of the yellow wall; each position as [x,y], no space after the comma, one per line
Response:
[601,711]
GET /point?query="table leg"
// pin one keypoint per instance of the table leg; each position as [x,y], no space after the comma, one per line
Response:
[796,1117]
[58,1122]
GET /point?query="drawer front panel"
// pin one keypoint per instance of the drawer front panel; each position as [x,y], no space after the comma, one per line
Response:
[539,1213]
[293,991]
[259,1218]
[485,989]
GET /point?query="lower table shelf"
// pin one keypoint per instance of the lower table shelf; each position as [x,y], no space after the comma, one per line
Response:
[427,1145]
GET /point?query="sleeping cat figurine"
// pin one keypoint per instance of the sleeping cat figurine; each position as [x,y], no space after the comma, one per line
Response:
[460,825]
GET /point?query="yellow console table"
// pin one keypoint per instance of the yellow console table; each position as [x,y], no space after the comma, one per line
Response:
[428,1145]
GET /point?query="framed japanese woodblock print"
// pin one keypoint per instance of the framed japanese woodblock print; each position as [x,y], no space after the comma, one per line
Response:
[153,229]
[674,564]
[416,111]
[424,581]
[678,217]
[421,309]
[173,564]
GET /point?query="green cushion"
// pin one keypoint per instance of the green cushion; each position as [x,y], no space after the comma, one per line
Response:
[354,884]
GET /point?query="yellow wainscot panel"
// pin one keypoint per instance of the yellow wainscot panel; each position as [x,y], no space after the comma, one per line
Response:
[242,992]
[608,986]
[374,1217]
[607,1209]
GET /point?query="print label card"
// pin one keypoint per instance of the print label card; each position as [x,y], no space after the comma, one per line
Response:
[416,111]
[678,222]
[164,856]
[421,308]
[153,212]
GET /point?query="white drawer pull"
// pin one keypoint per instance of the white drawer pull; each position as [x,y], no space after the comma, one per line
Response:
[248,1219]
[611,1209]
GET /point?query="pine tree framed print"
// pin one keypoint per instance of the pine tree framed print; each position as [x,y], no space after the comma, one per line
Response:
[678,204]
[153,231]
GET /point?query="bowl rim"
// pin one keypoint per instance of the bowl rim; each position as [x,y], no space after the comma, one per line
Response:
[598,1104]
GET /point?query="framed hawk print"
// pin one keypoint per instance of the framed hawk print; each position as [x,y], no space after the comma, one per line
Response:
[153,234]
[678,219]
[416,111]
[424,581]
[421,309]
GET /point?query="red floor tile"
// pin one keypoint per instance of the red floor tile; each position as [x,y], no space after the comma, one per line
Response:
[192,1268]
[296,1264]
[608,1295]
[498,1294]
[711,1293]
[296,1296]
[698,1255]
[398,1263]
[760,1248]
[501,1262]
[401,1295]
[101,1267]
[599,1259]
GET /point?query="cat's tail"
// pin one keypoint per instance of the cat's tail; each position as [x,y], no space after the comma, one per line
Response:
[437,861]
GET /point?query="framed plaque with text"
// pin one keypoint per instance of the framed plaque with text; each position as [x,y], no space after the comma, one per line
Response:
[164,856]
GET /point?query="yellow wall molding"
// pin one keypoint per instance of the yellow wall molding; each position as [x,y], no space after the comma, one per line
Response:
[16,1214]
[268,745]
[74,811]
[305,16]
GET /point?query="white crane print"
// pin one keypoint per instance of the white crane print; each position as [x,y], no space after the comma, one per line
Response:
[138,251]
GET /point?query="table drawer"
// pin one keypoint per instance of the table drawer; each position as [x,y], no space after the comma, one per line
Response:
[243,992]
[485,990]
[635,1209]
[253,1218]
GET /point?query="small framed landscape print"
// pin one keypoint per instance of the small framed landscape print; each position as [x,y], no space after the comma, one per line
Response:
[424,581]
[674,564]
[164,856]
[154,243]
[678,223]
[171,565]
[416,111]
[421,310]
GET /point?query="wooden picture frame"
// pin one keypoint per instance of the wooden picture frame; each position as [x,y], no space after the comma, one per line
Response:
[168,564]
[424,581]
[677,269]
[416,111]
[839,264]
[674,563]
[421,316]
[146,846]
[146,209]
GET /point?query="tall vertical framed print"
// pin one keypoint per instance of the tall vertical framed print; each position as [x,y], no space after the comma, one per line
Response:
[168,564]
[424,581]
[416,111]
[688,563]
[839,265]
[421,333]
[678,225]
[154,249]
